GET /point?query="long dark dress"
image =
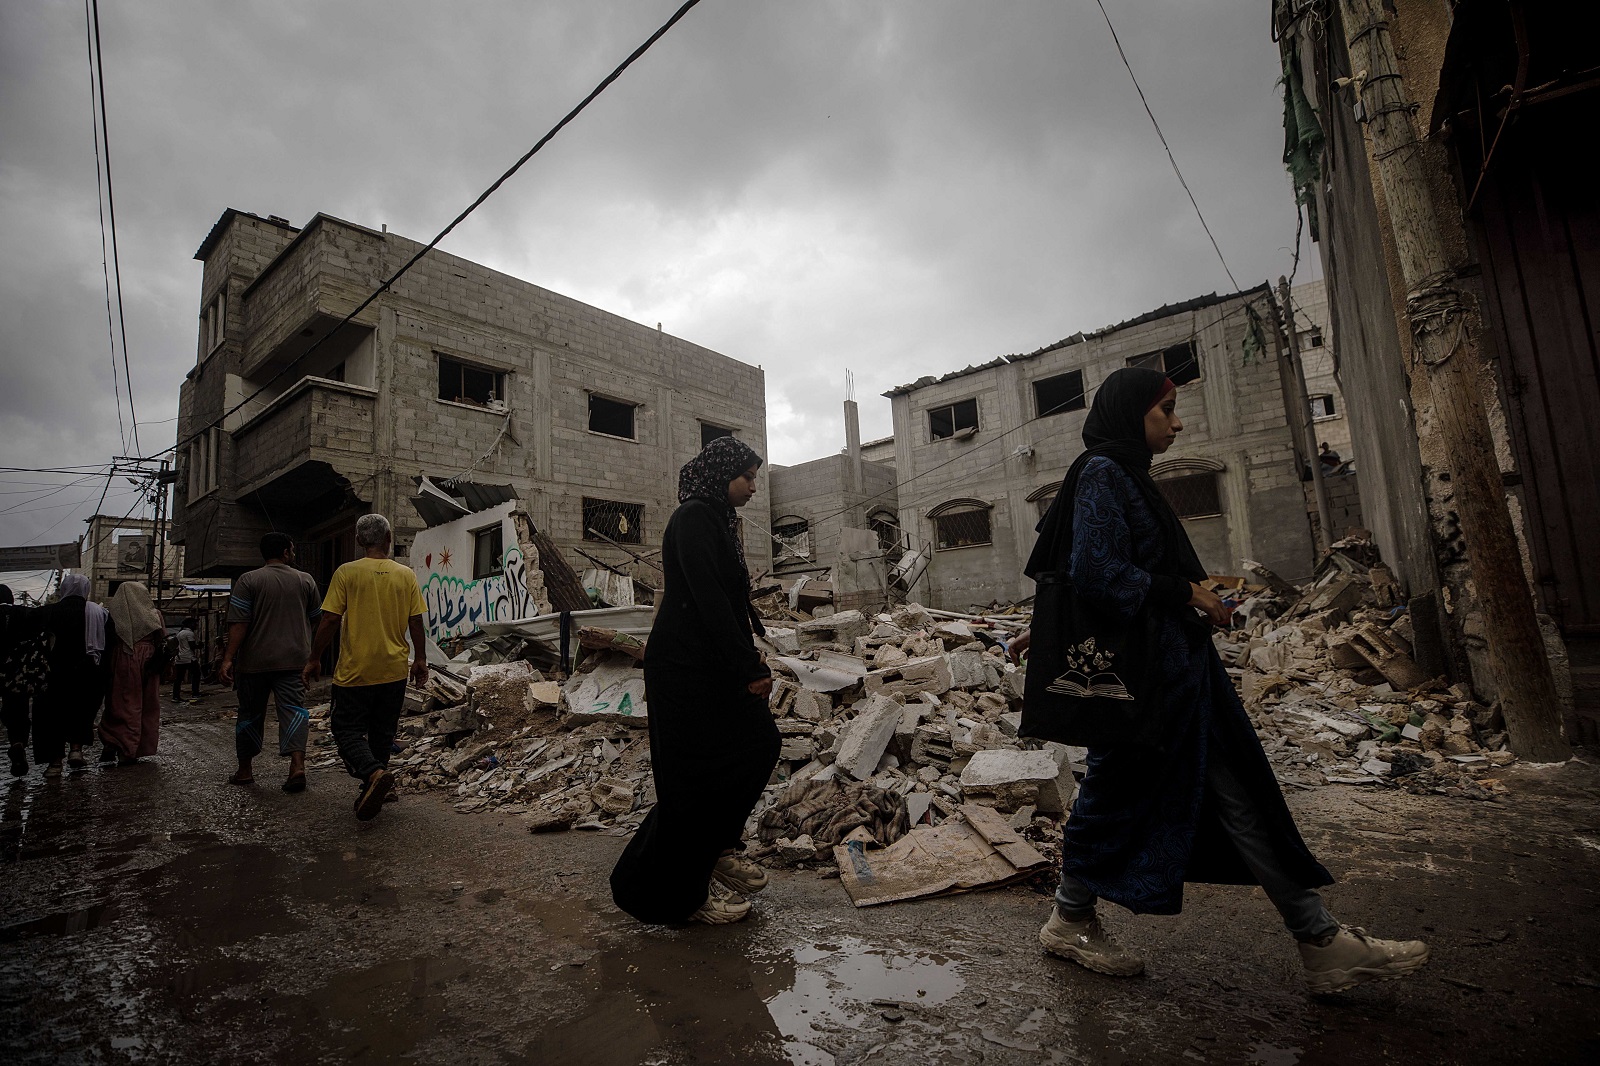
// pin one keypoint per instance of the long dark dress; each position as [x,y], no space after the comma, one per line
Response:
[65,713]
[1143,823]
[713,744]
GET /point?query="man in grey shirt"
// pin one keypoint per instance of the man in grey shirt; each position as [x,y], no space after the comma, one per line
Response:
[270,616]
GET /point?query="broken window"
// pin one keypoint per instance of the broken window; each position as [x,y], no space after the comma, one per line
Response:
[1053,396]
[1192,495]
[488,552]
[949,421]
[622,522]
[1181,362]
[463,383]
[709,433]
[1322,406]
[611,417]
[961,524]
[793,539]
[887,527]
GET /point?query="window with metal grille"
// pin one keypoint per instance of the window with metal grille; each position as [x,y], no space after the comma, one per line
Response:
[622,522]
[709,433]
[793,538]
[887,527]
[945,422]
[1181,362]
[1322,406]
[965,527]
[1057,395]
[463,383]
[488,552]
[1192,495]
[611,417]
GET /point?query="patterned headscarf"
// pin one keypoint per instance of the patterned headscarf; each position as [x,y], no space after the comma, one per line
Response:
[707,476]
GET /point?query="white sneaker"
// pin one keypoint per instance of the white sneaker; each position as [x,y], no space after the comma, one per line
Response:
[723,906]
[740,874]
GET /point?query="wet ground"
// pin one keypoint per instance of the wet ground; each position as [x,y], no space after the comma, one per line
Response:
[158,914]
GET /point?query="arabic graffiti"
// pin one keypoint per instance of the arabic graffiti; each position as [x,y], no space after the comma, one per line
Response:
[457,607]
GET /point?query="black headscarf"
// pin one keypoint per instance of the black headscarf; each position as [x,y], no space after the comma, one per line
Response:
[1115,429]
[707,476]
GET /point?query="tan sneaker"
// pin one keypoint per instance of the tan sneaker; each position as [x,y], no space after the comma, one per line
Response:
[740,874]
[1088,944]
[722,906]
[1352,957]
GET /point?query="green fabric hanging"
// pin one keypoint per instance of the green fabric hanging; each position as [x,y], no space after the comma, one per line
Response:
[1302,137]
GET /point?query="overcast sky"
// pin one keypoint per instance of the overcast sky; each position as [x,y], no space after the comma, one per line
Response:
[893,187]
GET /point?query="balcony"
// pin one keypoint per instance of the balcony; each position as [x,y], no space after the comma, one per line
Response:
[314,439]
[323,275]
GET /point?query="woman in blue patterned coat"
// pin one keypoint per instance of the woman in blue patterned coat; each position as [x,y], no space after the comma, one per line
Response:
[1201,804]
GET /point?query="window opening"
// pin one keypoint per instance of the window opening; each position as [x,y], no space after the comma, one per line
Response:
[962,527]
[1192,495]
[793,537]
[709,433]
[488,552]
[463,383]
[1057,395]
[1181,362]
[611,417]
[945,422]
[1322,406]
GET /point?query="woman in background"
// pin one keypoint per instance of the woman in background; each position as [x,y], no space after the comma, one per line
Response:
[132,721]
[713,742]
[64,715]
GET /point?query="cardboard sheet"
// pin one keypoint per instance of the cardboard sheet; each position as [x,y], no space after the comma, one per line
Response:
[972,851]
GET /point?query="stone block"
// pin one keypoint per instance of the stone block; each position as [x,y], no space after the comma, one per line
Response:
[930,675]
[841,627]
[866,736]
[812,706]
[1015,778]
[971,669]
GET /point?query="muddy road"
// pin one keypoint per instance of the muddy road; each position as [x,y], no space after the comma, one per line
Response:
[158,914]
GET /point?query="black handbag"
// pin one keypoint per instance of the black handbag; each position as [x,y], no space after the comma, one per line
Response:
[1092,679]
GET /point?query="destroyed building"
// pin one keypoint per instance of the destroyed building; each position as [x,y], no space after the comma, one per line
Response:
[119,548]
[842,503]
[988,447]
[458,374]
[1494,90]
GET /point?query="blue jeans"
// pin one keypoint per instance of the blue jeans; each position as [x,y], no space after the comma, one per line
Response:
[1303,912]
[293,719]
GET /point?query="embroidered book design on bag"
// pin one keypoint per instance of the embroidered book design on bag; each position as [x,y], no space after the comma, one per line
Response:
[1089,674]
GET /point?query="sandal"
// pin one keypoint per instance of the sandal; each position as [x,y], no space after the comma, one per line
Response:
[295,783]
[235,779]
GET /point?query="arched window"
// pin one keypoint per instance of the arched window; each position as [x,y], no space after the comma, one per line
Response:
[791,536]
[886,526]
[1190,486]
[961,524]
[1043,496]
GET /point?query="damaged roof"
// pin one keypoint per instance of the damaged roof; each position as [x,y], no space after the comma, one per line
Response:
[439,501]
[1164,311]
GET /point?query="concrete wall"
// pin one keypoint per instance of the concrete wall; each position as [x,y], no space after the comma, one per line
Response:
[820,493]
[103,565]
[442,557]
[552,349]
[1234,419]
[1311,314]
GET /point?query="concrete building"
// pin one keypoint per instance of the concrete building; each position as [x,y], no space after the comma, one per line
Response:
[1314,330]
[117,549]
[457,373]
[1498,90]
[988,446]
[812,503]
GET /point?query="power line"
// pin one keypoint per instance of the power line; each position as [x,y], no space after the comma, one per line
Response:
[501,180]
[111,209]
[1170,158]
[100,205]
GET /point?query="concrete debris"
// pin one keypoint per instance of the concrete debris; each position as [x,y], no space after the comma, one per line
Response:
[1009,780]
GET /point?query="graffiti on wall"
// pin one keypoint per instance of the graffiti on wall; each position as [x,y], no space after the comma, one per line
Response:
[457,607]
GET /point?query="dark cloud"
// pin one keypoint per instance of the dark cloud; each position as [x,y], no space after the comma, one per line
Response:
[897,188]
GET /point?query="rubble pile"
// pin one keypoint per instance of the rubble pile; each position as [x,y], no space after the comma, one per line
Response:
[1328,677]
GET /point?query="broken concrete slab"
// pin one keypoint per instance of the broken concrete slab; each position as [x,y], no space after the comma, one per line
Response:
[866,737]
[1015,778]
[612,692]
[841,627]
[929,675]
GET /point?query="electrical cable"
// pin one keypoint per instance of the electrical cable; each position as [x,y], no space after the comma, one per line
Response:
[398,274]
[111,209]
[1170,158]
[100,206]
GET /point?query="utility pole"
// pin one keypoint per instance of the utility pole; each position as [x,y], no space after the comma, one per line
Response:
[1444,346]
[1300,418]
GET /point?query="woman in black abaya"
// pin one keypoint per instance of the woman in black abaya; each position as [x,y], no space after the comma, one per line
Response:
[1195,799]
[713,742]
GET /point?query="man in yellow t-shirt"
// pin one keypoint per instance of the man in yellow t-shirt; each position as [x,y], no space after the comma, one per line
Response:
[372,603]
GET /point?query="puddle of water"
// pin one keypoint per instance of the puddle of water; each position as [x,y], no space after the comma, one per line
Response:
[835,987]
[91,917]
[380,1013]
[1269,1055]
